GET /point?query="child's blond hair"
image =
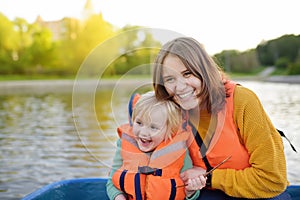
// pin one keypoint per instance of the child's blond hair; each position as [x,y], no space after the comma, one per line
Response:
[145,105]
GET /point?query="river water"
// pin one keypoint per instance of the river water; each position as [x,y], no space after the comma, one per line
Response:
[48,134]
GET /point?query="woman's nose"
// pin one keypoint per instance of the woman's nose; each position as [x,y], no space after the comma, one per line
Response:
[181,84]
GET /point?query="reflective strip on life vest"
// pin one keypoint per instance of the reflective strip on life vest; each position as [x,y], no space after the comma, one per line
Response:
[169,149]
[128,138]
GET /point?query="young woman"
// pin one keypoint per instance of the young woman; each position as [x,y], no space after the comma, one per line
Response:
[153,148]
[228,120]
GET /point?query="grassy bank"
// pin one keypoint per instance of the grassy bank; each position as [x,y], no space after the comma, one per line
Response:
[69,77]
[15,77]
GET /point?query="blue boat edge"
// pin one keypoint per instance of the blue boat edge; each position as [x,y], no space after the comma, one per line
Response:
[93,188]
[73,189]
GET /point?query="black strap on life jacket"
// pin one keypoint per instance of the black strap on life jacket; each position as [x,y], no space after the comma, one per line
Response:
[149,170]
[173,189]
[203,150]
[137,187]
[202,147]
[283,135]
[122,180]
[137,184]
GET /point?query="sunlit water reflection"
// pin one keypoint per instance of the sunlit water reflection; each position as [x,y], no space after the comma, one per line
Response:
[43,140]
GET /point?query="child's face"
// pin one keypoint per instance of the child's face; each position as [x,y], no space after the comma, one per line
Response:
[150,130]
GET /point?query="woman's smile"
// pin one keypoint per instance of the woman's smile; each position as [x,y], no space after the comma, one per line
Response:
[181,83]
[186,94]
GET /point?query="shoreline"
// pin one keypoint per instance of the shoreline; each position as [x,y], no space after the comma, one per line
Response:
[43,86]
[67,86]
[291,79]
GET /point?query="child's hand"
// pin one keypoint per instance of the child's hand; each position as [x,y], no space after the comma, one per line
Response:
[192,173]
[120,197]
[194,184]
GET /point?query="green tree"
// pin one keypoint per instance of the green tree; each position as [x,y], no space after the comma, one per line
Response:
[137,50]
[65,62]
[24,40]
[93,32]
[41,50]
[8,45]
[235,61]
[294,68]
[286,46]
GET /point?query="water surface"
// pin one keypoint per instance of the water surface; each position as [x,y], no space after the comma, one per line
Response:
[45,136]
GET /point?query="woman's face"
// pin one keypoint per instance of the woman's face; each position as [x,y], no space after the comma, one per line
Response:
[150,129]
[181,83]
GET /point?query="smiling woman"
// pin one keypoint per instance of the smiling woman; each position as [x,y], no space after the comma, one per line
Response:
[174,80]
[227,119]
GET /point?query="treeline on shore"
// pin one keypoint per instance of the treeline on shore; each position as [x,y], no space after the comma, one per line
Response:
[36,49]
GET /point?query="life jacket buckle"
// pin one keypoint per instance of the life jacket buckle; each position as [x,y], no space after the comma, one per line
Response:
[149,170]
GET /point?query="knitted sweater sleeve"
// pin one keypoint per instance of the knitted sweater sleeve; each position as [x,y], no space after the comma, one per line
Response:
[267,175]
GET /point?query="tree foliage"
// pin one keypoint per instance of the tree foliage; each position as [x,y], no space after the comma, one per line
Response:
[35,49]
[235,61]
[280,52]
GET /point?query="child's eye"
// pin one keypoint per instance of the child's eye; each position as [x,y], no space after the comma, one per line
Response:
[154,128]
[138,122]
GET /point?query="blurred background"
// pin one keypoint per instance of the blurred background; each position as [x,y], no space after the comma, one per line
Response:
[52,38]
[68,68]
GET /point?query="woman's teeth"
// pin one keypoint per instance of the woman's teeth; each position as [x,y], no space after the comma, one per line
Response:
[186,94]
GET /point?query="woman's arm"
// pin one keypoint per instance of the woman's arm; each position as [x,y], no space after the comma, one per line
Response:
[267,175]
[111,190]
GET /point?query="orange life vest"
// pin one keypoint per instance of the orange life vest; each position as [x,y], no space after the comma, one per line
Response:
[151,176]
[225,141]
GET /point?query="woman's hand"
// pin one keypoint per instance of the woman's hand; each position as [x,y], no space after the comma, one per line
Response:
[192,173]
[120,197]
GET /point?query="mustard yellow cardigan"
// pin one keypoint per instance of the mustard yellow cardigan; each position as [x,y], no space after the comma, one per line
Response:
[267,176]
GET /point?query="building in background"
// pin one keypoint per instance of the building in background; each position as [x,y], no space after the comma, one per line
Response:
[59,27]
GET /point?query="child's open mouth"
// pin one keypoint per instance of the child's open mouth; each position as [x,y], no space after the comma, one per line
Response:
[145,141]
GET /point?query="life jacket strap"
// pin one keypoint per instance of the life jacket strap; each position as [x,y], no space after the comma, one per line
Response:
[137,186]
[122,180]
[283,135]
[173,189]
[149,170]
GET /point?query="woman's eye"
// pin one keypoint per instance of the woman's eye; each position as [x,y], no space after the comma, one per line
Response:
[169,80]
[187,74]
